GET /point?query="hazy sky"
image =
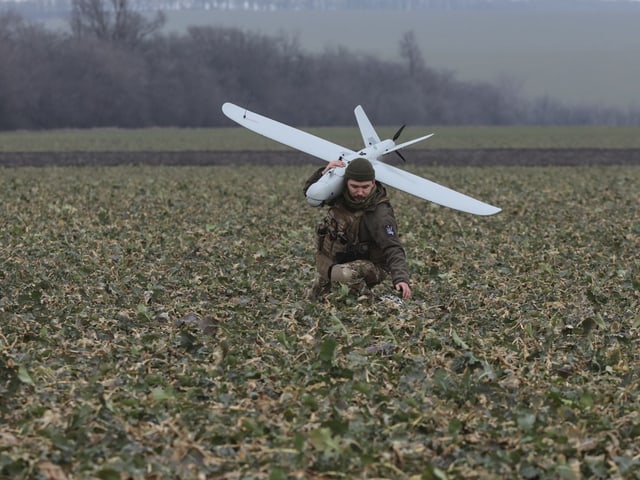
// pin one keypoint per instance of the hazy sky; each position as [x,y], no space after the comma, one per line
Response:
[577,57]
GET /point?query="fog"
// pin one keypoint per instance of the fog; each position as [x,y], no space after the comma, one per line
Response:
[578,57]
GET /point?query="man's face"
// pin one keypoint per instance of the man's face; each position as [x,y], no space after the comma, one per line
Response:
[359,191]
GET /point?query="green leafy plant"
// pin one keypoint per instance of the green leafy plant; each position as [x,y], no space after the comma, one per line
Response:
[154,324]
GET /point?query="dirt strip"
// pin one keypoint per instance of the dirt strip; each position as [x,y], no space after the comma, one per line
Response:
[483,157]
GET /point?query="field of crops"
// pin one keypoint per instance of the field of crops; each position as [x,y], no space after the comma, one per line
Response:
[153,324]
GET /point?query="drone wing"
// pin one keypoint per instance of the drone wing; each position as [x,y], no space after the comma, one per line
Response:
[431,191]
[292,137]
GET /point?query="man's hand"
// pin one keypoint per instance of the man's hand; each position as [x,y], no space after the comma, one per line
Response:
[333,164]
[405,289]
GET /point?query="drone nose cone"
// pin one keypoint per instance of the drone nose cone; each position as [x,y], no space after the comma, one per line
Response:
[314,202]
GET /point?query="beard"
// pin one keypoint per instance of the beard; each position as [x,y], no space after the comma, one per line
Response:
[361,202]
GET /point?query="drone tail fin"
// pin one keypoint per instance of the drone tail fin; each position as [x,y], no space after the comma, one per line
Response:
[369,135]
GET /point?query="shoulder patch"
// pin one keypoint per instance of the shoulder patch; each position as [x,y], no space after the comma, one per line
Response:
[390,230]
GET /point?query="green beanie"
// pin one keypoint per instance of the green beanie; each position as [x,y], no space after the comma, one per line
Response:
[360,170]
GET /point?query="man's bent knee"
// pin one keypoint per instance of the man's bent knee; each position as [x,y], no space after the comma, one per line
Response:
[343,273]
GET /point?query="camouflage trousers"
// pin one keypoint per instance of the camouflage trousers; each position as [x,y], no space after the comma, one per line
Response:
[358,275]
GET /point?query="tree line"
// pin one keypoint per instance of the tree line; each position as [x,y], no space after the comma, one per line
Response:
[56,7]
[116,68]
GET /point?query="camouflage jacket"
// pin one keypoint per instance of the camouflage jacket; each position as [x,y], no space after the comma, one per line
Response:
[375,239]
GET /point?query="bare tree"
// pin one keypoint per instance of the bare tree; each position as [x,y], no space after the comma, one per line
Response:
[113,21]
[410,51]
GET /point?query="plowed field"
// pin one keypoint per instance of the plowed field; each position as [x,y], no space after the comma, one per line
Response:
[533,157]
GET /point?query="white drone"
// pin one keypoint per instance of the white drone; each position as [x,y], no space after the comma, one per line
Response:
[332,183]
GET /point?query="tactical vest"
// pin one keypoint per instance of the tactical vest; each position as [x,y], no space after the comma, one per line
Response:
[338,235]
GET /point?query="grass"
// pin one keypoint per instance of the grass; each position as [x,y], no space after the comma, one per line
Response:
[153,324]
[237,138]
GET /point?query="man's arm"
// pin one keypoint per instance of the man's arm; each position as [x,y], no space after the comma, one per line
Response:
[385,234]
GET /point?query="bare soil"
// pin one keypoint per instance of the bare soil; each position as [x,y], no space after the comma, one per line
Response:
[483,157]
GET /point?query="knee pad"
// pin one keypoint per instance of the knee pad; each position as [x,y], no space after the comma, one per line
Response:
[342,273]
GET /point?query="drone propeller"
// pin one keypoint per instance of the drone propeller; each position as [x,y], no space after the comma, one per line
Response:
[395,137]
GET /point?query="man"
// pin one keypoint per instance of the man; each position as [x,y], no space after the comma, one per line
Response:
[357,242]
